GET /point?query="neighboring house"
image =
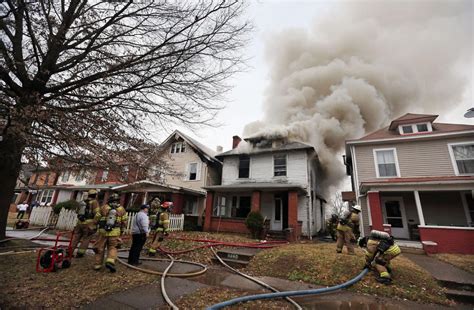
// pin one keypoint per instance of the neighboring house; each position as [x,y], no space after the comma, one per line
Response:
[416,178]
[41,187]
[276,177]
[21,187]
[187,167]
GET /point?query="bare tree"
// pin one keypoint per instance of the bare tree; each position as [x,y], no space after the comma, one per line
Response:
[86,81]
[337,205]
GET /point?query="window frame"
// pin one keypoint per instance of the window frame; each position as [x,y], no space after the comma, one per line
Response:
[48,197]
[238,167]
[414,128]
[80,175]
[105,175]
[286,165]
[397,167]
[453,158]
[179,145]
[189,172]
[64,178]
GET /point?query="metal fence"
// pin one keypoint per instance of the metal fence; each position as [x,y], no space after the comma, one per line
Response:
[67,219]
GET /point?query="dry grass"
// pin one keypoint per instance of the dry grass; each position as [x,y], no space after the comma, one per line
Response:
[463,261]
[319,264]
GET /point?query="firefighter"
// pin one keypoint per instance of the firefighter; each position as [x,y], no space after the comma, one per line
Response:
[162,227]
[380,249]
[85,227]
[331,225]
[345,229]
[155,206]
[112,219]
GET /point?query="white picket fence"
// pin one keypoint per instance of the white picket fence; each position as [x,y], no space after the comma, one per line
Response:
[40,216]
[67,219]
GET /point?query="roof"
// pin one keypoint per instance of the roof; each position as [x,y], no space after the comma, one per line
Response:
[412,118]
[87,186]
[203,150]
[256,186]
[438,129]
[150,186]
[289,146]
[418,180]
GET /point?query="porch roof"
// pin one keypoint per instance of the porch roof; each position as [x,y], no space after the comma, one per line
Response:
[85,187]
[262,186]
[440,180]
[150,186]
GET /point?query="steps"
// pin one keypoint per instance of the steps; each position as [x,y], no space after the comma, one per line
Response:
[276,235]
[460,296]
[236,257]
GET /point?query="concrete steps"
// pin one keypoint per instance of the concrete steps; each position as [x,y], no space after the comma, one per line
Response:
[237,257]
[276,235]
[460,296]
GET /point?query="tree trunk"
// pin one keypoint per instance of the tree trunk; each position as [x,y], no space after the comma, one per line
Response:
[11,149]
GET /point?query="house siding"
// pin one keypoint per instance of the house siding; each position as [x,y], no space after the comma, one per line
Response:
[415,158]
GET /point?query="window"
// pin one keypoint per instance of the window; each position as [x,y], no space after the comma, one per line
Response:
[244,166]
[415,128]
[220,208]
[192,171]
[80,175]
[178,147]
[65,176]
[46,196]
[125,170]
[237,206]
[279,165]
[105,175]
[46,180]
[190,207]
[386,163]
[462,156]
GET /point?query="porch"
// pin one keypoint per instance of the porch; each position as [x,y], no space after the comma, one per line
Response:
[441,220]
[228,206]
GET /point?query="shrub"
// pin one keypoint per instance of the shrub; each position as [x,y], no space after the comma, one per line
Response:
[254,223]
[68,205]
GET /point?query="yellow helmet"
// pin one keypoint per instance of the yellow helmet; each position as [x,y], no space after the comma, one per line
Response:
[92,192]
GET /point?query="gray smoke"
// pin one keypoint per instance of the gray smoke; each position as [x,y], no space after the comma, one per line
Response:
[361,66]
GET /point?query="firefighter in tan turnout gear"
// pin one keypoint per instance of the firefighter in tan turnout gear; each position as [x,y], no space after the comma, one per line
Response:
[112,220]
[162,229]
[85,227]
[348,223]
[380,249]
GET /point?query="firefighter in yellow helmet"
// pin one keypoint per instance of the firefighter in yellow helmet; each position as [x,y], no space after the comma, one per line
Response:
[85,227]
[162,229]
[345,229]
[112,221]
[380,249]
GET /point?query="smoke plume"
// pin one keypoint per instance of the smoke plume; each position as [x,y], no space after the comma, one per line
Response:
[361,66]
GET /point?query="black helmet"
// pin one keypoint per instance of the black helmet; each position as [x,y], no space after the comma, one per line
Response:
[114,197]
[362,242]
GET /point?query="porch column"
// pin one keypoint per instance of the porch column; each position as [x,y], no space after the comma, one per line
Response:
[375,210]
[419,209]
[178,202]
[208,211]
[256,201]
[293,213]
[145,197]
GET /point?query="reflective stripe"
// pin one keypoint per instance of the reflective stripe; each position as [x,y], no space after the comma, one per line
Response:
[384,274]
[393,250]
[150,250]
[110,260]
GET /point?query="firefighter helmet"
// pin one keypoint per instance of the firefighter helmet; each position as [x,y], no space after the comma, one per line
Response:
[167,205]
[114,197]
[357,208]
[92,192]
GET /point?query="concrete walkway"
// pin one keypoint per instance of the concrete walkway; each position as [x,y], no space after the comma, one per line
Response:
[442,271]
[30,233]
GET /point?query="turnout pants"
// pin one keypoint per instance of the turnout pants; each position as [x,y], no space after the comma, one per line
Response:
[344,238]
[101,244]
[83,234]
[138,241]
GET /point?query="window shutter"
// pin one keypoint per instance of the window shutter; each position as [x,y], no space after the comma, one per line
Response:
[198,171]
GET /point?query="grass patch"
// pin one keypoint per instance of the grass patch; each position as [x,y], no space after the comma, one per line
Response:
[463,261]
[319,264]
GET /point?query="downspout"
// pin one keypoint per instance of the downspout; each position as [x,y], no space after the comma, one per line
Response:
[309,205]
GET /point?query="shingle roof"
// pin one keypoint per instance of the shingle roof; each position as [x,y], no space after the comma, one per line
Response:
[204,150]
[293,145]
[412,118]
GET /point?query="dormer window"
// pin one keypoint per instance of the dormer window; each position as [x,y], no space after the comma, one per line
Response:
[178,147]
[415,128]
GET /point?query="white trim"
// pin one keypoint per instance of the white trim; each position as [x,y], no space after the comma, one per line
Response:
[399,199]
[286,166]
[411,137]
[414,127]
[466,207]
[446,227]
[397,167]
[419,208]
[453,159]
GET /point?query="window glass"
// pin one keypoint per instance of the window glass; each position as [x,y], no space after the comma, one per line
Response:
[192,171]
[244,166]
[407,129]
[422,127]
[105,175]
[65,176]
[386,163]
[464,156]
[279,165]
[244,207]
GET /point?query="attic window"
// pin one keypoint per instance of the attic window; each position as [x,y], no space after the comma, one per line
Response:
[178,147]
[415,128]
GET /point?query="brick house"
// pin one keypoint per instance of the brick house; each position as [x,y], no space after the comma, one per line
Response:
[276,177]
[415,178]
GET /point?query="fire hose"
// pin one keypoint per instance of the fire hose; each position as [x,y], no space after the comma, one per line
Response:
[289,293]
[30,238]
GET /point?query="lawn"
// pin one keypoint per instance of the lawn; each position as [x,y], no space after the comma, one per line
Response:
[319,264]
[465,262]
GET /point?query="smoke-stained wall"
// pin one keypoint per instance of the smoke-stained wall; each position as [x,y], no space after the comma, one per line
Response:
[361,66]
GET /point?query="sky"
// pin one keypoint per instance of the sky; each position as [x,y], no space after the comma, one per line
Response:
[249,100]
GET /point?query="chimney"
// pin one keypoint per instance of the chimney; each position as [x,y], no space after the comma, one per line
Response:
[219,149]
[235,141]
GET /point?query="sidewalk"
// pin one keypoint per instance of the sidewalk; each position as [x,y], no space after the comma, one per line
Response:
[27,234]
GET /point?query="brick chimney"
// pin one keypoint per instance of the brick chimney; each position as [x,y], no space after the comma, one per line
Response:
[235,141]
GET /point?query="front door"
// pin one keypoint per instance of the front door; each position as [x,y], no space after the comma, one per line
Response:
[277,214]
[394,214]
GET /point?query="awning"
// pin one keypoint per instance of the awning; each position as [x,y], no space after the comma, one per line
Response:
[150,186]
[256,187]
